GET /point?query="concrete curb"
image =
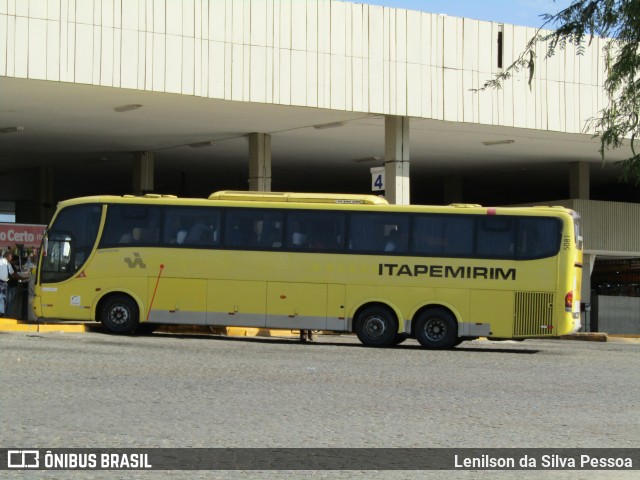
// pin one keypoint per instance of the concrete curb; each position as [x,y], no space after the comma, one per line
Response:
[587,337]
[13,325]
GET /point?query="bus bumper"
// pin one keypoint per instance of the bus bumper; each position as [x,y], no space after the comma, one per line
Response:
[576,323]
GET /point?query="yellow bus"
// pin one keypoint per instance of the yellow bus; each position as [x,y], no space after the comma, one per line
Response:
[341,263]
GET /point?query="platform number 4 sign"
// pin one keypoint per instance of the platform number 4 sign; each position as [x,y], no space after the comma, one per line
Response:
[377,179]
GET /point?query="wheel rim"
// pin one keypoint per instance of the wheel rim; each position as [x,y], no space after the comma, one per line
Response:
[119,315]
[435,329]
[375,327]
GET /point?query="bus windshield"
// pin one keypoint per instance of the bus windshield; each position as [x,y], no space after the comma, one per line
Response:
[69,242]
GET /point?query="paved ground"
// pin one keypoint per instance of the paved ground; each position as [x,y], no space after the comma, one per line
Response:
[97,390]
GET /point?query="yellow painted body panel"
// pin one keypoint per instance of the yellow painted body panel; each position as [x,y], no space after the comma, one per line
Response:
[237,298]
[172,295]
[289,301]
[487,305]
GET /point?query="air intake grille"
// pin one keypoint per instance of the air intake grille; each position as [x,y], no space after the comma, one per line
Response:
[533,314]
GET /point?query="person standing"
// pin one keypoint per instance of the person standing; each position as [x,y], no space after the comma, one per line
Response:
[6,272]
[8,283]
[306,335]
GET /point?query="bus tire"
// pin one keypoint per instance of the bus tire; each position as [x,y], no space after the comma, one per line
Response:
[119,314]
[376,326]
[436,328]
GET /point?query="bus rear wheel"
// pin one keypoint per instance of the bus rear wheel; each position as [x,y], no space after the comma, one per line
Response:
[376,327]
[437,329]
[119,314]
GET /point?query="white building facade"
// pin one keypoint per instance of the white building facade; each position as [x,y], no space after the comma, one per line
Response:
[354,61]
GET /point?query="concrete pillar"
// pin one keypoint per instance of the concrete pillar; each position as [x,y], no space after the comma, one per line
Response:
[143,163]
[579,181]
[452,190]
[588,262]
[396,159]
[259,162]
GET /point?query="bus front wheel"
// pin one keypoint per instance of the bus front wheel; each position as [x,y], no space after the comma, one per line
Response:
[376,327]
[437,329]
[119,314]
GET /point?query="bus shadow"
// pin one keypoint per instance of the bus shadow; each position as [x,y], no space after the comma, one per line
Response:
[469,349]
[328,342]
[522,351]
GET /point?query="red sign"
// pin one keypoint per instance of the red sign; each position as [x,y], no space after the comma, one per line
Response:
[21,234]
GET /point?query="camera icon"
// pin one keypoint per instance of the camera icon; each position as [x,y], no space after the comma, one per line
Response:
[23,459]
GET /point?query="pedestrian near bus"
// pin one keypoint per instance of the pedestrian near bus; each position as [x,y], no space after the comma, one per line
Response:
[7,292]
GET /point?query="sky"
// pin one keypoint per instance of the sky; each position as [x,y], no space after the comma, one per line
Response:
[517,12]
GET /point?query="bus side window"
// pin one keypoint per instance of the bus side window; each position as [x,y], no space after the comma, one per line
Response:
[269,228]
[191,226]
[429,235]
[538,237]
[458,235]
[173,227]
[321,238]
[253,229]
[297,231]
[496,237]
[444,235]
[131,224]
[297,237]
[319,231]
[392,241]
[379,232]
[238,232]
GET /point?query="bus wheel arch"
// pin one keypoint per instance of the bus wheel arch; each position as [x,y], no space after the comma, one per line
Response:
[376,324]
[118,312]
[436,327]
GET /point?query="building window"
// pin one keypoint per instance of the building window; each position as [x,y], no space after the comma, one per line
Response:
[500,45]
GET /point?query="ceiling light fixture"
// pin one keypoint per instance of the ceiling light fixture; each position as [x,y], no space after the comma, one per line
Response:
[12,129]
[127,108]
[498,142]
[328,125]
[207,143]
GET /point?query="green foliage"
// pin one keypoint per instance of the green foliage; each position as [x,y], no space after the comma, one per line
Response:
[618,22]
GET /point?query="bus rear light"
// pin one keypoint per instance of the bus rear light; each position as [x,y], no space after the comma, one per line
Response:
[568,301]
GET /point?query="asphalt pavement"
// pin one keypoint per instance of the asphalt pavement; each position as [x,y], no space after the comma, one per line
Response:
[66,390]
